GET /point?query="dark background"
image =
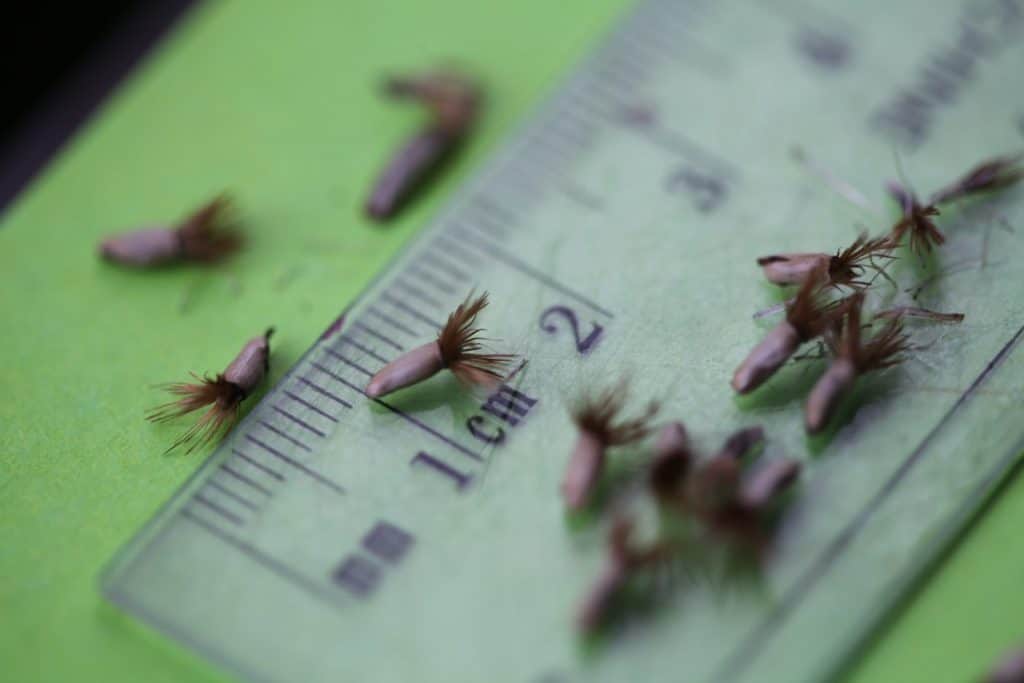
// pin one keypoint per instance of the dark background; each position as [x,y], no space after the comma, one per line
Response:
[45,43]
[58,62]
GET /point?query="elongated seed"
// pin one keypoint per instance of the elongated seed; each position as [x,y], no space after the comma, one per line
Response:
[405,172]
[595,606]
[715,485]
[671,461]
[827,394]
[791,269]
[672,440]
[742,442]
[770,480]
[766,358]
[250,365]
[142,248]
[585,466]
[1010,669]
[410,368]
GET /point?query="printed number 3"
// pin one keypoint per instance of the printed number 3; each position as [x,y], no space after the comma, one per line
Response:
[549,325]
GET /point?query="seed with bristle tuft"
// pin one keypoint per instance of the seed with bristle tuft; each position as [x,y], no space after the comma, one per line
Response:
[597,421]
[742,442]
[843,269]
[203,237]
[621,561]
[916,221]
[453,102]
[853,358]
[791,269]
[807,316]
[672,460]
[768,483]
[458,348]
[223,394]
[988,176]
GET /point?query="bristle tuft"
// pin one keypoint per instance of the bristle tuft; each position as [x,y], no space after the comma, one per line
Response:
[988,176]
[597,414]
[205,235]
[883,350]
[809,312]
[847,266]
[461,345]
[222,396]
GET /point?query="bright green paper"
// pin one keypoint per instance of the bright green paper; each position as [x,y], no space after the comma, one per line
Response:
[82,345]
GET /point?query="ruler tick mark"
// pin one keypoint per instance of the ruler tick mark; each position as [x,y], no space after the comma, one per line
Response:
[444,265]
[583,197]
[411,310]
[309,405]
[222,511]
[245,502]
[401,413]
[296,464]
[323,392]
[426,276]
[368,351]
[263,559]
[491,206]
[452,248]
[378,336]
[391,321]
[258,465]
[529,270]
[346,361]
[406,416]
[488,226]
[246,480]
[299,421]
[623,74]
[416,292]
[285,436]
[681,144]
[338,378]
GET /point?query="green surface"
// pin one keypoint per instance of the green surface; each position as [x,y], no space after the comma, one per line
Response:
[83,342]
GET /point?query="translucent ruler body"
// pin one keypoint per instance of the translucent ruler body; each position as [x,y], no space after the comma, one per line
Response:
[421,537]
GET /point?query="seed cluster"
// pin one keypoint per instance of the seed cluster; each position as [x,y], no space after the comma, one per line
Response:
[724,498]
[722,495]
[832,300]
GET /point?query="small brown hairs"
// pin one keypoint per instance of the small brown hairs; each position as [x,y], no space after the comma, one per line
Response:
[885,348]
[848,265]
[223,397]
[206,236]
[809,312]
[461,342]
[596,413]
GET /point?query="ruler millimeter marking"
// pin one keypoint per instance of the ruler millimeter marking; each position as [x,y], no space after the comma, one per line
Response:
[423,530]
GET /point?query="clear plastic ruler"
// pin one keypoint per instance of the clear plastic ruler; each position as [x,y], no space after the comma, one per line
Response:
[422,537]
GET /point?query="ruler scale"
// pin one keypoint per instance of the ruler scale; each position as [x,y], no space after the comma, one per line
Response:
[421,537]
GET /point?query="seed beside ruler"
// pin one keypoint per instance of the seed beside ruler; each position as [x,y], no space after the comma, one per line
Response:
[420,536]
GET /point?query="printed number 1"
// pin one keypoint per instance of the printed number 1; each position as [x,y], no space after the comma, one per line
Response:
[584,345]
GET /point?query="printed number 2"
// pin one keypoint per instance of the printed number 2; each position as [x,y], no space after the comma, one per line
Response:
[551,327]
